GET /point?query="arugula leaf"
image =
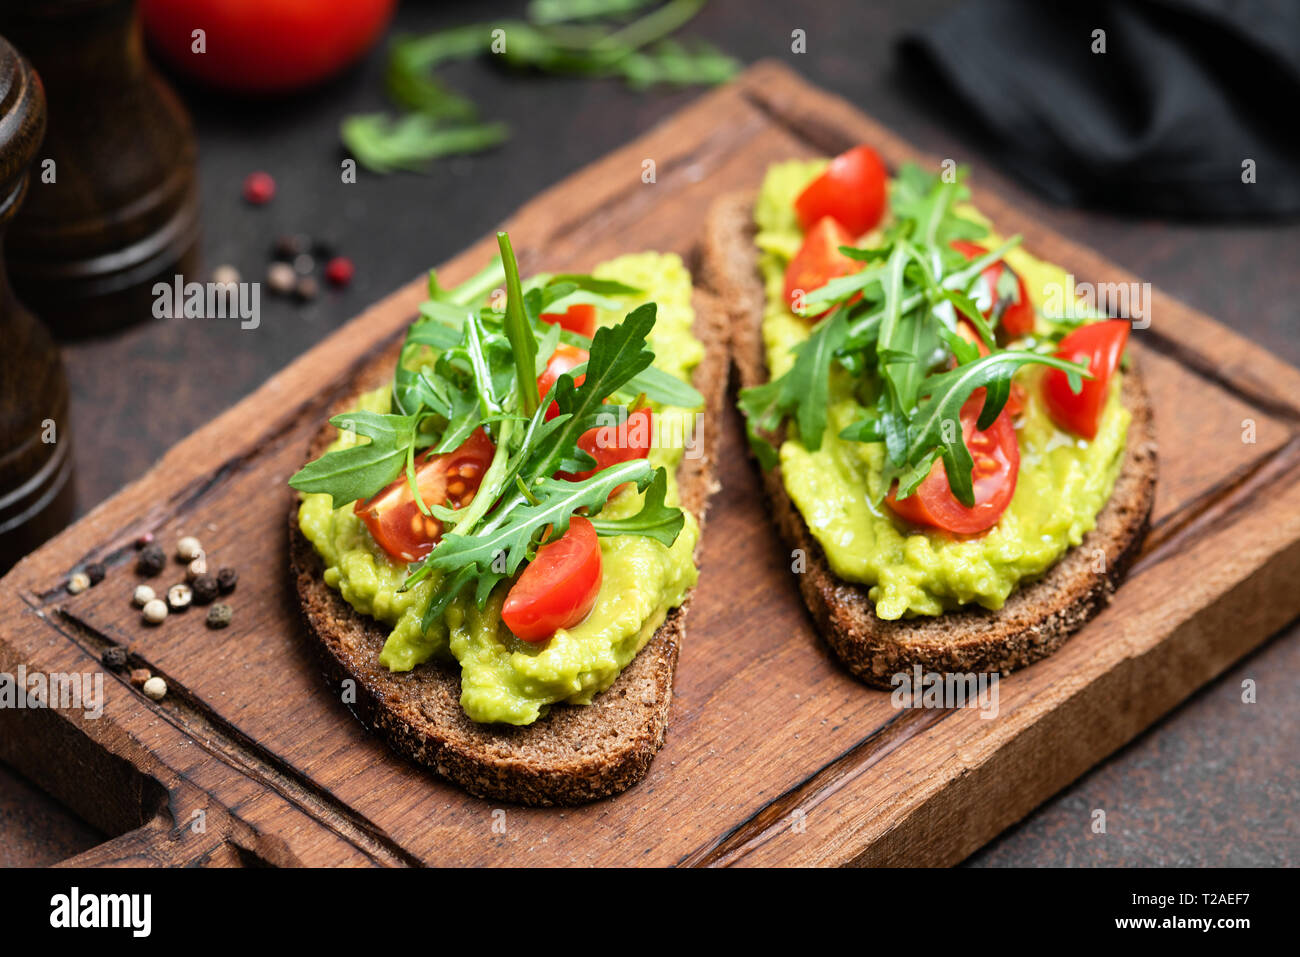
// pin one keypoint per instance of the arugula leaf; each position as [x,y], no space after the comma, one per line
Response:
[362,470]
[523,342]
[383,144]
[576,37]
[656,520]
[515,537]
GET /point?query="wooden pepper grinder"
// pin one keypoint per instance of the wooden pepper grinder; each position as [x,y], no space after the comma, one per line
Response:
[121,211]
[36,491]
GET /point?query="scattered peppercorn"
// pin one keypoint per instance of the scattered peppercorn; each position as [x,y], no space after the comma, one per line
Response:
[95,572]
[339,271]
[280,277]
[197,567]
[225,276]
[259,188]
[188,548]
[219,615]
[155,688]
[290,245]
[140,675]
[144,539]
[303,264]
[154,611]
[114,658]
[324,249]
[204,588]
[78,582]
[306,289]
[151,560]
[143,595]
[227,578]
[179,597]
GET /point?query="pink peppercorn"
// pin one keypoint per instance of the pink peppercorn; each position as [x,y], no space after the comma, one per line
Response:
[259,187]
[339,271]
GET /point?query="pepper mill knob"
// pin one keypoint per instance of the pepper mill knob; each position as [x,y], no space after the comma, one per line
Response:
[36,491]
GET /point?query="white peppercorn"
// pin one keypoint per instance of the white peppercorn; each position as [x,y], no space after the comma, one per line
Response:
[179,597]
[155,688]
[197,567]
[79,582]
[143,595]
[154,611]
[188,548]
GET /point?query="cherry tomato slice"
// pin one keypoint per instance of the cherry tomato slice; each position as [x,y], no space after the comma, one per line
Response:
[997,467]
[579,318]
[564,358]
[852,191]
[450,479]
[1015,318]
[612,444]
[1100,345]
[818,261]
[558,588]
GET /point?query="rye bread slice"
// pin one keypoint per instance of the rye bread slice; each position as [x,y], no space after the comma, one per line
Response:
[574,753]
[1036,619]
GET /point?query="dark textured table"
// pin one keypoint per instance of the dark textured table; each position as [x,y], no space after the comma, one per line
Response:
[1217,782]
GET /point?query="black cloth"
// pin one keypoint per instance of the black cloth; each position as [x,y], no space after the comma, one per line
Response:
[1160,123]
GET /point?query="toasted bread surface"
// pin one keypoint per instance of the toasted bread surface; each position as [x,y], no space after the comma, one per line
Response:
[574,753]
[1035,620]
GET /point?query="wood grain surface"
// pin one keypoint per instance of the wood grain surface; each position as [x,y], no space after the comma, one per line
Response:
[774,754]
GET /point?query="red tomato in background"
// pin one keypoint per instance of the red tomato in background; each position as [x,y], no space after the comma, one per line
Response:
[558,588]
[264,46]
[451,479]
[818,261]
[997,467]
[579,318]
[1099,345]
[1017,317]
[852,191]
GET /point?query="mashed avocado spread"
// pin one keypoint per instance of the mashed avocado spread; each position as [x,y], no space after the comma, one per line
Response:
[504,679]
[1064,480]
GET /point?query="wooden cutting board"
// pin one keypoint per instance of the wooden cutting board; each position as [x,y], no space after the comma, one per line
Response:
[774,754]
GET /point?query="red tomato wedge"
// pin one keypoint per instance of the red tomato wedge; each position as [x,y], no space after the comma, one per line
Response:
[612,444]
[1100,345]
[564,358]
[558,588]
[852,191]
[450,479]
[997,467]
[579,318]
[818,261]
[1016,318]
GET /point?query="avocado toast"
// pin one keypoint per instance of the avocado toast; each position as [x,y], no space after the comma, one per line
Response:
[890,587]
[575,710]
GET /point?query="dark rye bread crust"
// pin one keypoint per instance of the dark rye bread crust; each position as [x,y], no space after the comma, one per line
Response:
[1036,619]
[574,753]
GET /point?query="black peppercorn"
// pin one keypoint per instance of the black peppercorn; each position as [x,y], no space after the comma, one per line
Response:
[95,572]
[152,560]
[219,615]
[227,578]
[324,249]
[204,588]
[289,246]
[114,658]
